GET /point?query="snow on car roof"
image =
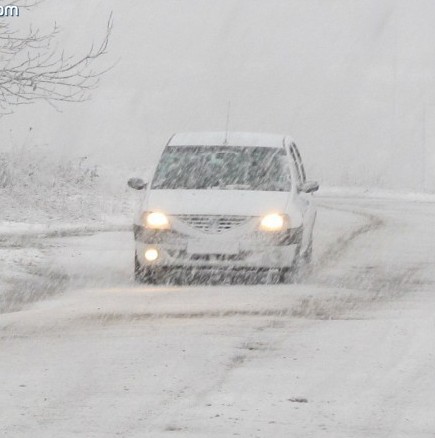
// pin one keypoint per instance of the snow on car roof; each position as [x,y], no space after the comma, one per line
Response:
[228,139]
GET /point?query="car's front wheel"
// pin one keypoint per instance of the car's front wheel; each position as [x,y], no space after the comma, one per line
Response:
[299,267]
[143,274]
[150,274]
[307,256]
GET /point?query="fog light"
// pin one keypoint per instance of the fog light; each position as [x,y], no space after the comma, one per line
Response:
[151,255]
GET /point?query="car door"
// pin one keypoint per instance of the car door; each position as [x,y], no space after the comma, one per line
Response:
[305,200]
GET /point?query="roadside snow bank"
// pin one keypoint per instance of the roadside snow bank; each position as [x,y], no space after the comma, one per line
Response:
[13,229]
[40,193]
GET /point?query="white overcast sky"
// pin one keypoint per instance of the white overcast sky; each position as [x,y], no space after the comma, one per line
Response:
[351,80]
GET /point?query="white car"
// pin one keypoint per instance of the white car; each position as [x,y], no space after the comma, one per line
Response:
[225,201]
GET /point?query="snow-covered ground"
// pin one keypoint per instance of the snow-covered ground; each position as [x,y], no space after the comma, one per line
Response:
[347,353]
[44,196]
[40,193]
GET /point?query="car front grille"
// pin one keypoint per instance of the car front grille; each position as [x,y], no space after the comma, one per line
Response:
[213,224]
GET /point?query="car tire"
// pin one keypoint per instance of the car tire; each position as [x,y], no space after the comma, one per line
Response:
[308,254]
[150,275]
[142,274]
[300,265]
[289,273]
[303,262]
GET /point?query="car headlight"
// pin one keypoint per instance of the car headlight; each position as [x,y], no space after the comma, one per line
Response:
[273,222]
[156,221]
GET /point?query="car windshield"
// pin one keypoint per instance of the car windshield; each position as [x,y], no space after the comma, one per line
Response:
[223,168]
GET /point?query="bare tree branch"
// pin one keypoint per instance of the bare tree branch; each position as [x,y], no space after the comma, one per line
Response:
[32,68]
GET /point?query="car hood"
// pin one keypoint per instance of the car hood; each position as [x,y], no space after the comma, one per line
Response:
[216,202]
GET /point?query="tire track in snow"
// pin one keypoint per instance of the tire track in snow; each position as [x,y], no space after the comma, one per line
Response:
[263,338]
[339,247]
[42,284]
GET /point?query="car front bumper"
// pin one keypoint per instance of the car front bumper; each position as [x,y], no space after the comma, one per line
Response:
[254,251]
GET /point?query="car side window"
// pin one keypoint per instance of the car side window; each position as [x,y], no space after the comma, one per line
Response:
[298,162]
[301,164]
[298,171]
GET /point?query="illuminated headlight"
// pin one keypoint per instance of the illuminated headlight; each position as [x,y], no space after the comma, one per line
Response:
[273,222]
[157,221]
[151,254]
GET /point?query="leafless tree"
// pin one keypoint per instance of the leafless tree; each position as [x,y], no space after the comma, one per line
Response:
[33,68]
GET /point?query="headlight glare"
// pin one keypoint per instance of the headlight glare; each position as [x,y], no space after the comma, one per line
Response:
[273,222]
[157,221]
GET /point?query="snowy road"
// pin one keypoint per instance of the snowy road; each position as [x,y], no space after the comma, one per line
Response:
[350,352]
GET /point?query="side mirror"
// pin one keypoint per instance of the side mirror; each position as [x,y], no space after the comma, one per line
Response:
[309,187]
[137,183]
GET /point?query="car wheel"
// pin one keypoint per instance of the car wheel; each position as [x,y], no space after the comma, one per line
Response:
[143,274]
[308,254]
[300,266]
[290,273]
[285,275]
[303,262]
